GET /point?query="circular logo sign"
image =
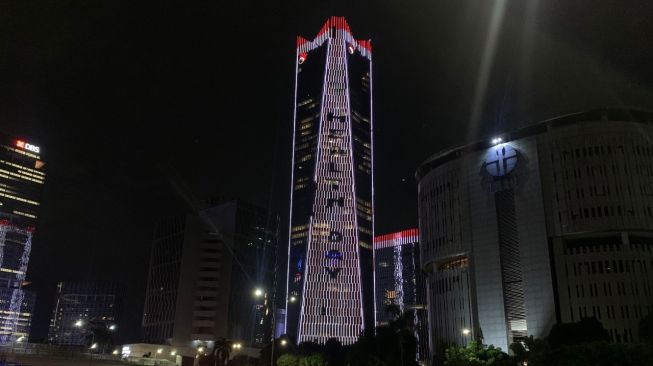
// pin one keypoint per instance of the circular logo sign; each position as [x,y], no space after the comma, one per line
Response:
[500,160]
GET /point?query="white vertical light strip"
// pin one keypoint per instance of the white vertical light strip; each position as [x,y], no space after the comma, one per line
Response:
[399,274]
[292,185]
[10,323]
[305,280]
[353,180]
[372,180]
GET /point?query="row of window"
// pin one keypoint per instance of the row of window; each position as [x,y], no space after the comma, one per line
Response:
[620,289]
[595,245]
[624,312]
[614,266]
[607,150]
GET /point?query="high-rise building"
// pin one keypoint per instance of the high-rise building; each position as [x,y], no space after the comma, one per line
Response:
[399,281]
[330,263]
[79,306]
[205,270]
[21,184]
[551,223]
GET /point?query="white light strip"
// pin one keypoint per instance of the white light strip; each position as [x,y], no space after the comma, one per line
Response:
[292,182]
[353,183]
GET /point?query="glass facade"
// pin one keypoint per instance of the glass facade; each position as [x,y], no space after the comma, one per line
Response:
[21,184]
[330,263]
[94,303]
[204,270]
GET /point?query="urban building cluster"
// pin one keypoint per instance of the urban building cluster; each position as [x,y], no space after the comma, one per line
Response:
[547,224]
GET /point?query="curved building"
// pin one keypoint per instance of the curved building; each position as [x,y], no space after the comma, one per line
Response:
[546,224]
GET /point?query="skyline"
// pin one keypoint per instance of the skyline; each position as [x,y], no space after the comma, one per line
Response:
[94,115]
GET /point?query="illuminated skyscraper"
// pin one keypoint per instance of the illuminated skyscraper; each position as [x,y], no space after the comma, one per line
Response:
[21,185]
[400,282]
[330,262]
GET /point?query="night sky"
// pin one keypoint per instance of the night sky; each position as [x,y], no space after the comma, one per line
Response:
[137,105]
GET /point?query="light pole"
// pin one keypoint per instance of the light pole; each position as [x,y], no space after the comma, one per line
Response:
[156,355]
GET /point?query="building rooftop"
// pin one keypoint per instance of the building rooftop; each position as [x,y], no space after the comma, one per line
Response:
[607,114]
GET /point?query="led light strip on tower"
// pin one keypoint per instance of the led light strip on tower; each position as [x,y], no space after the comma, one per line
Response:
[10,323]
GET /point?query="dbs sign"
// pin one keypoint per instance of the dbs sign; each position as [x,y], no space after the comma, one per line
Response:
[27,146]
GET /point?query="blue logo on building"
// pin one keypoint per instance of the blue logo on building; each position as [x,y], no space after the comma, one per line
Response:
[500,160]
[333,262]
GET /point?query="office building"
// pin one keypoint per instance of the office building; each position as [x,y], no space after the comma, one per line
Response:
[547,224]
[81,306]
[399,281]
[211,276]
[22,175]
[330,263]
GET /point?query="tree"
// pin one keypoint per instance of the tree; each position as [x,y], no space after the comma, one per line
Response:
[476,354]
[288,359]
[532,350]
[586,330]
[335,352]
[313,360]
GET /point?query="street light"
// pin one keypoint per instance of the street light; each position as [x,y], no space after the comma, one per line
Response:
[20,339]
[94,346]
[284,342]
[293,299]
[173,352]
[237,346]
[112,327]
[200,350]
[466,331]
[79,323]
[159,351]
[115,352]
[258,292]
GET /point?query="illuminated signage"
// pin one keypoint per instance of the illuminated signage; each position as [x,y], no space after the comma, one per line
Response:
[500,160]
[27,146]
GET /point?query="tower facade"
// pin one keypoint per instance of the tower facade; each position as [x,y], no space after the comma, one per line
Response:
[550,223]
[22,175]
[399,281]
[330,261]
[204,269]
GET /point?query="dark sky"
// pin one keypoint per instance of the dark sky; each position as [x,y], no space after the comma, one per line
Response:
[129,99]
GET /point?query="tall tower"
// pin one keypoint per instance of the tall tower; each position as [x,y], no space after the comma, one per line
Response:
[330,257]
[22,175]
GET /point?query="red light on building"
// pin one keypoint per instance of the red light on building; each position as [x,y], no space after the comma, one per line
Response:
[20,144]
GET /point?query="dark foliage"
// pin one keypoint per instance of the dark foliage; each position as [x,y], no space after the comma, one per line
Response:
[584,331]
